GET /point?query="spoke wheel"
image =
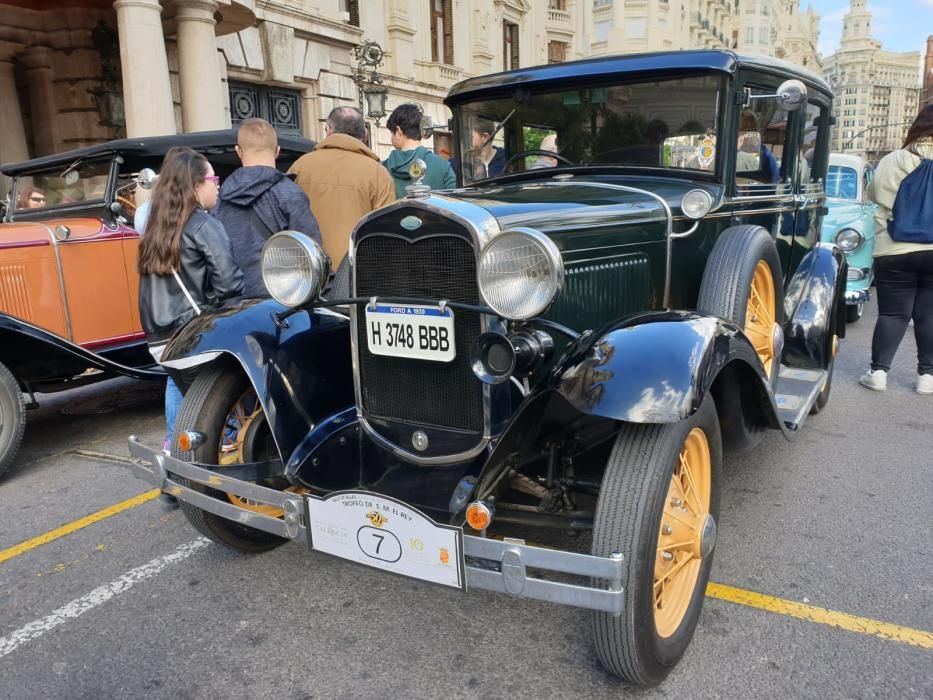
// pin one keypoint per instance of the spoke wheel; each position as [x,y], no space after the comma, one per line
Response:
[742,283]
[679,552]
[657,505]
[237,445]
[12,417]
[222,405]
[760,315]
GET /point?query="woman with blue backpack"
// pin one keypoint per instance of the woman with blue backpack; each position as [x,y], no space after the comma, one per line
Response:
[903,257]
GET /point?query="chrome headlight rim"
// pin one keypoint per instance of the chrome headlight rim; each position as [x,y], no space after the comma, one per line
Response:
[555,263]
[318,264]
[704,198]
[846,247]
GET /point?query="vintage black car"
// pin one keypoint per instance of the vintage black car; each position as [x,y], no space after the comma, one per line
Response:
[571,340]
[69,312]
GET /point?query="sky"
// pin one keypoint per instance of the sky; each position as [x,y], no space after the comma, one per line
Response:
[900,25]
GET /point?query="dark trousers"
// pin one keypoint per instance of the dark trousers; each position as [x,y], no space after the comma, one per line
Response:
[905,291]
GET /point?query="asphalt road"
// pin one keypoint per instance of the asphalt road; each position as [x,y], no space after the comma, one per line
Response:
[136,604]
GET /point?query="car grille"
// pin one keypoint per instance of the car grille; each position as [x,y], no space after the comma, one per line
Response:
[438,394]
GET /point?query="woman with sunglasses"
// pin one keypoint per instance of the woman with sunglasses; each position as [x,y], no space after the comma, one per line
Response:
[185,264]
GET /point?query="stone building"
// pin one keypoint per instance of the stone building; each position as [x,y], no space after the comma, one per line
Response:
[766,27]
[927,96]
[877,91]
[76,72]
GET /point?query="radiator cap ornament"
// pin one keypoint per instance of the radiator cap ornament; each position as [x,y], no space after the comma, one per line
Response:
[416,171]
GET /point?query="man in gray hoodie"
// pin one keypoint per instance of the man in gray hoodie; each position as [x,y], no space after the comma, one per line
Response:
[404,125]
[258,200]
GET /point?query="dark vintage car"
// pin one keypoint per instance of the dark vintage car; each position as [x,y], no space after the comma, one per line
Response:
[569,341]
[69,312]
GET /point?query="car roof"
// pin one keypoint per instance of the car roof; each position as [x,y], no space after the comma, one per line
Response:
[847,159]
[663,62]
[148,152]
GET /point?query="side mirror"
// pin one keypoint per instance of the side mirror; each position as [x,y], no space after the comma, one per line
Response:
[61,232]
[146,178]
[791,95]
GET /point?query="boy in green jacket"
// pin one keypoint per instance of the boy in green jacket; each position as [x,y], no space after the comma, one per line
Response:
[405,126]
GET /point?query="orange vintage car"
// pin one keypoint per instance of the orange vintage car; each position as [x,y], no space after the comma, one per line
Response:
[69,310]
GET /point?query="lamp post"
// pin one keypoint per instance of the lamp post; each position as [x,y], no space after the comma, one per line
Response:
[848,144]
[369,56]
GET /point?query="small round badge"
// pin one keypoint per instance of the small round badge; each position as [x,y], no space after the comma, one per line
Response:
[420,440]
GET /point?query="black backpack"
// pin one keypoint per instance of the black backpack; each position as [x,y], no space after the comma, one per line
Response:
[913,206]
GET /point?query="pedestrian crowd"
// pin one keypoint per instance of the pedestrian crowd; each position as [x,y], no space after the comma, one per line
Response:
[201,243]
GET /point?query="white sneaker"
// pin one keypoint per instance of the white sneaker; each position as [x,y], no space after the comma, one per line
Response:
[877,380]
[925,384]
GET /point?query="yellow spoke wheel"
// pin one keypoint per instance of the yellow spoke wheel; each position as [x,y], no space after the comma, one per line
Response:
[761,315]
[243,419]
[679,550]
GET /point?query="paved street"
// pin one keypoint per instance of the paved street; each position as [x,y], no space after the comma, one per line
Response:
[136,604]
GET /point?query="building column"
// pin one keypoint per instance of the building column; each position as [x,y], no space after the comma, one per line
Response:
[147,88]
[13,144]
[42,111]
[202,100]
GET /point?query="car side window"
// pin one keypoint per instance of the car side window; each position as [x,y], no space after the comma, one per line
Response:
[807,175]
[867,176]
[762,136]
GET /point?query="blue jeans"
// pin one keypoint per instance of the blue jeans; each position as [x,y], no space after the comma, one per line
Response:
[173,399]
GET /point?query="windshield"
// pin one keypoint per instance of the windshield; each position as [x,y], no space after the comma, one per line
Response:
[842,182]
[80,182]
[662,123]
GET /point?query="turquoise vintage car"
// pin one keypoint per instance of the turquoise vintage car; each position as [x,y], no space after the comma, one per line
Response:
[850,224]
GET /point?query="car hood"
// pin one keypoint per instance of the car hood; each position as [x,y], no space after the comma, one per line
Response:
[845,214]
[553,205]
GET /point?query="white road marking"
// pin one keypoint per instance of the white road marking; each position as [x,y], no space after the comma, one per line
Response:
[98,596]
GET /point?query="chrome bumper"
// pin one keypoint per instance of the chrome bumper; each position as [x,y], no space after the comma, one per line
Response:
[491,565]
[860,296]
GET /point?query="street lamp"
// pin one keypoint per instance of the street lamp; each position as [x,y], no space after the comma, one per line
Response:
[369,56]
[848,144]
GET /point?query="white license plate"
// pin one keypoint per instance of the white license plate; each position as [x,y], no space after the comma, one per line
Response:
[413,331]
[386,534]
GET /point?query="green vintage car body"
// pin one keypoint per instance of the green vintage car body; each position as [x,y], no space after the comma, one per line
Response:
[569,340]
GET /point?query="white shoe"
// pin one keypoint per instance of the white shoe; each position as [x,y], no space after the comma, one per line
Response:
[877,380]
[925,384]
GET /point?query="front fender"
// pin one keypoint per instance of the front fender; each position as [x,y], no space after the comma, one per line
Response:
[652,368]
[814,304]
[35,355]
[301,370]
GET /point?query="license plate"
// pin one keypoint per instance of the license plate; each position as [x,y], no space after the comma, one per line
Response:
[386,534]
[412,331]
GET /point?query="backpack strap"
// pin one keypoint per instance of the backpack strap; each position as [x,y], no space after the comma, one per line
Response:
[260,224]
[184,289]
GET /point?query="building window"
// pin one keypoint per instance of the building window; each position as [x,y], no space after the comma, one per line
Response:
[352,8]
[557,5]
[509,45]
[636,27]
[278,106]
[556,52]
[749,35]
[442,31]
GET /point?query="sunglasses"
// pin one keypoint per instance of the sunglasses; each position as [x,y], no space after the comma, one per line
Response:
[37,199]
[213,178]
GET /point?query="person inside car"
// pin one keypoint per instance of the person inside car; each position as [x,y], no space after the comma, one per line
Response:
[32,198]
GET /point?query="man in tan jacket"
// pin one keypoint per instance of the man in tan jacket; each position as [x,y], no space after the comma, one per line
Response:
[343,179]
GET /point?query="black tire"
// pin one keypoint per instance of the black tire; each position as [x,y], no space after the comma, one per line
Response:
[205,409]
[854,312]
[12,418]
[628,518]
[728,275]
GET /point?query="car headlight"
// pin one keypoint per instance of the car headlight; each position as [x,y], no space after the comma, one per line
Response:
[520,273]
[294,268]
[848,239]
[696,204]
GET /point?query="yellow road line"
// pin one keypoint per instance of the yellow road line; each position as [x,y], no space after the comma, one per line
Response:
[811,613]
[76,525]
[719,591]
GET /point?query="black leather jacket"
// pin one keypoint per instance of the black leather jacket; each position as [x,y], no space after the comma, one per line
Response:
[207,270]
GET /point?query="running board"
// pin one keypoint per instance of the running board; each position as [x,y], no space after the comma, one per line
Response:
[796,392]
